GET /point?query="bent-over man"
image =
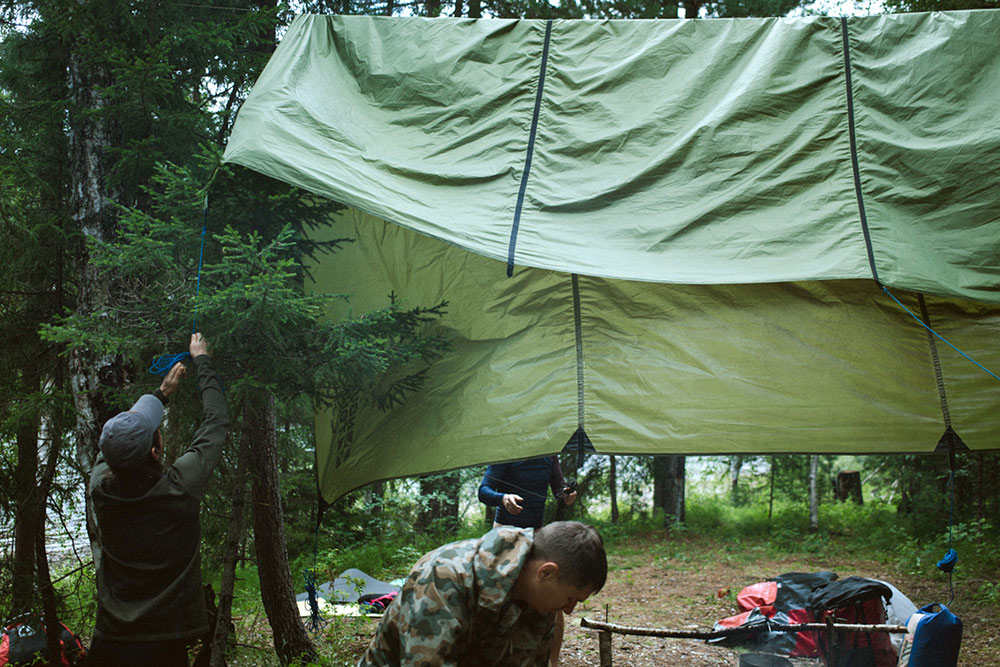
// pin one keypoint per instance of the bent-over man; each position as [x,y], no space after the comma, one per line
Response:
[492,600]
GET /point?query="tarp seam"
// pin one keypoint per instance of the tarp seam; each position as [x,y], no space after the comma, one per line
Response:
[578,331]
[854,148]
[531,148]
[938,375]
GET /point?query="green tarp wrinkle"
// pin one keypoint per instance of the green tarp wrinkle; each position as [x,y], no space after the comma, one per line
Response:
[707,207]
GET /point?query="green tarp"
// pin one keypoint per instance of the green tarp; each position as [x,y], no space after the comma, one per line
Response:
[695,213]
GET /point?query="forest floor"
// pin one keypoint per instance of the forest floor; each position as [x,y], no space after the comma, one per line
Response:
[675,581]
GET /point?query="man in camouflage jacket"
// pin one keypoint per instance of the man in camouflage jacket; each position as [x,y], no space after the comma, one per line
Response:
[492,600]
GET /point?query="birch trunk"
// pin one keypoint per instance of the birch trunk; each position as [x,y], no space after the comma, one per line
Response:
[93,213]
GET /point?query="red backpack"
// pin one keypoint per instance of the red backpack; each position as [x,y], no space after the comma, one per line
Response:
[23,642]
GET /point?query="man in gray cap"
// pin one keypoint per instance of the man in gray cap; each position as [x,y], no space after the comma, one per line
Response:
[150,603]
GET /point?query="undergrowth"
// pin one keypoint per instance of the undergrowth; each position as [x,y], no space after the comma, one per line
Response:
[713,529]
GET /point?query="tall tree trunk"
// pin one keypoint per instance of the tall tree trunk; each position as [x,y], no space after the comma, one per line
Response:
[291,642]
[91,136]
[475,9]
[231,554]
[613,484]
[26,517]
[668,487]
[813,494]
[735,465]
[52,627]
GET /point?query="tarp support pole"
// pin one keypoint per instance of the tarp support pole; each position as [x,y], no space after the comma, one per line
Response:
[531,150]
[854,148]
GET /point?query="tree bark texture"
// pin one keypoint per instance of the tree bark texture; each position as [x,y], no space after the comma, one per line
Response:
[26,517]
[668,487]
[45,587]
[770,498]
[848,486]
[91,136]
[291,642]
[735,466]
[613,484]
[813,494]
[234,534]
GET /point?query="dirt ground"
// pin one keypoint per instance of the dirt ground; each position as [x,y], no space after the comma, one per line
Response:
[656,582]
[647,589]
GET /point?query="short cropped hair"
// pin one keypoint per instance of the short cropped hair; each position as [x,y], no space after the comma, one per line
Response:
[577,549]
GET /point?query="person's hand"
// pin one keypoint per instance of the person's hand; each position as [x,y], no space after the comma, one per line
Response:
[173,379]
[570,498]
[510,503]
[198,346]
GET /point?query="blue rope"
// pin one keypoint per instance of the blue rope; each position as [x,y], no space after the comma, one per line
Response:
[950,559]
[315,620]
[939,336]
[162,364]
[201,256]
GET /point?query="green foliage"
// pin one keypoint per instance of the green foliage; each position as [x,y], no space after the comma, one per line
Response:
[938,5]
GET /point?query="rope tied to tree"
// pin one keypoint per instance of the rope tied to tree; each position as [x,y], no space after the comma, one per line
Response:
[162,364]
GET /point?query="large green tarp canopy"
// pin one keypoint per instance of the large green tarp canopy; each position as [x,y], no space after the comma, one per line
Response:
[696,217]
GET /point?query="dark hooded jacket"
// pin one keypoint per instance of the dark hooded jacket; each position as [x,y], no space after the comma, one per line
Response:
[149,572]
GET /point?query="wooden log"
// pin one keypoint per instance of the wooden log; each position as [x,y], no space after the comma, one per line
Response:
[733,632]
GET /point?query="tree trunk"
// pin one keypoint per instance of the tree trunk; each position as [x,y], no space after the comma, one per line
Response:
[613,484]
[813,494]
[52,627]
[92,208]
[668,487]
[735,465]
[224,617]
[770,500]
[291,642]
[26,517]
[439,508]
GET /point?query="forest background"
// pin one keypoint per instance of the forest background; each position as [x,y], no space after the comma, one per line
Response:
[113,118]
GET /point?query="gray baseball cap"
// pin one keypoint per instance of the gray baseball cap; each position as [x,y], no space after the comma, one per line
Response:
[128,436]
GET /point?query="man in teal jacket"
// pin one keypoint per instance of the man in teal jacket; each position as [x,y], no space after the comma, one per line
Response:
[150,601]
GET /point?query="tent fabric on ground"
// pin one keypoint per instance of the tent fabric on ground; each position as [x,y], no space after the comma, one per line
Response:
[343,595]
[697,216]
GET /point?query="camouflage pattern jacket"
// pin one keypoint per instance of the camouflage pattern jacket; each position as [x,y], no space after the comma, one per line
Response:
[456,609]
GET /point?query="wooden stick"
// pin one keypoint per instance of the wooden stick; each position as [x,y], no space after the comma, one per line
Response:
[728,632]
[604,642]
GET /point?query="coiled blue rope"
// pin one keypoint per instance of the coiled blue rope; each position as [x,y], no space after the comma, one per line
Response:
[315,619]
[950,560]
[162,364]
